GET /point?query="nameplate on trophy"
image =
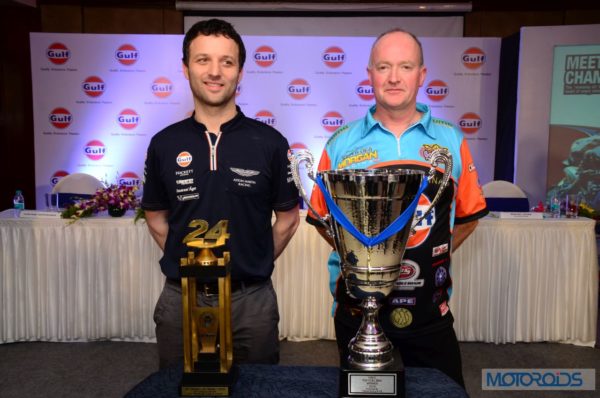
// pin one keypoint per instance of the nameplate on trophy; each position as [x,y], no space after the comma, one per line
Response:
[372,383]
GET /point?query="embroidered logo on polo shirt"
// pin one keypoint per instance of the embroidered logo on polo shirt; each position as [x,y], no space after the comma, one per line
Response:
[184,159]
[185,197]
[244,172]
[427,149]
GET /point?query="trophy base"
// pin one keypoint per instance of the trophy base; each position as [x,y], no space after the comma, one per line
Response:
[388,382]
[207,384]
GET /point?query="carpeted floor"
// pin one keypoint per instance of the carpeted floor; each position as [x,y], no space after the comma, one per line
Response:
[110,369]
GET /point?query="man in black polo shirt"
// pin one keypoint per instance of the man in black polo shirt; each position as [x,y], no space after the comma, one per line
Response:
[220,165]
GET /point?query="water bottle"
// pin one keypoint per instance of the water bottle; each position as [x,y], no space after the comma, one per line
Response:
[555,207]
[18,203]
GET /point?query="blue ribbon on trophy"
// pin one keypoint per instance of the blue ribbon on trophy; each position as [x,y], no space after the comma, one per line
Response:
[390,230]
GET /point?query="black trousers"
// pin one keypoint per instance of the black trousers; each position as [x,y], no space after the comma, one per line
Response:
[438,349]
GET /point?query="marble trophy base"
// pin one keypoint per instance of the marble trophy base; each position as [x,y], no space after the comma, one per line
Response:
[388,382]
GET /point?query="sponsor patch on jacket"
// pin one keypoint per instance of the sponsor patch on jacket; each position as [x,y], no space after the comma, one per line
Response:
[441,249]
[444,308]
[401,318]
[403,300]
[186,197]
[244,172]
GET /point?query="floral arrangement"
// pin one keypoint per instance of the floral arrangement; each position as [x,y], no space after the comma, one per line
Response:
[117,199]
[587,211]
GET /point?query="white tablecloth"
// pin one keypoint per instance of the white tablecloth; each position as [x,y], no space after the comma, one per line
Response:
[99,278]
[527,280]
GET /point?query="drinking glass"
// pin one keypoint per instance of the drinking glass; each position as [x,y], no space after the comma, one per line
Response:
[571,205]
[52,202]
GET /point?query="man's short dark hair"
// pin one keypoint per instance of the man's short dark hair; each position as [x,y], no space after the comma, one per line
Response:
[213,27]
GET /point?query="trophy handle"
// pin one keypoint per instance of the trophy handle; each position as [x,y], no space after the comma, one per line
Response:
[438,156]
[297,157]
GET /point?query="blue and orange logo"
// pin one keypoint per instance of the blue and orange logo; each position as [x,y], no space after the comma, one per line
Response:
[57,176]
[128,119]
[95,150]
[58,53]
[298,89]
[129,179]
[264,56]
[364,90]
[60,118]
[127,54]
[424,227]
[437,90]
[332,121]
[93,86]
[473,58]
[266,117]
[162,87]
[469,123]
[333,57]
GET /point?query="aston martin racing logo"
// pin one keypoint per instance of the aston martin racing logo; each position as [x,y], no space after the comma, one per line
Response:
[244,172]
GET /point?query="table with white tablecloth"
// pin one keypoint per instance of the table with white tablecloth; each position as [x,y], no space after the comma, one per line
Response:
[99,278]
[527,280]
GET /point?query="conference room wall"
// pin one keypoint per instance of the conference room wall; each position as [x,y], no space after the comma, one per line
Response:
[16,22]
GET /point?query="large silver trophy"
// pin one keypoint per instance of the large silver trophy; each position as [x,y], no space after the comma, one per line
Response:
[371,215]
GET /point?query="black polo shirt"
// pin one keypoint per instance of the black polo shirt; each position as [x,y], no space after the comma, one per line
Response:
[242,179]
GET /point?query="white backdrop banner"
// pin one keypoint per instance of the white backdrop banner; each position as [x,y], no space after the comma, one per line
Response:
[98,99]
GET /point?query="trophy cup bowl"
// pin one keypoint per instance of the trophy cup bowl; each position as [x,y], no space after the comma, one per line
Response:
[372,200]
[371,218]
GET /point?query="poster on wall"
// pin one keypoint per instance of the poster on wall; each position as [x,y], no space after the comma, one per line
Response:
[99,99]
[574,142]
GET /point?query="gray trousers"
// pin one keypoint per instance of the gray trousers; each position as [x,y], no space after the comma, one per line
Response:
[254,321]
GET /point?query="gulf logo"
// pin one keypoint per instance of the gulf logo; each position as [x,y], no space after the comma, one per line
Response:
[264,56]
[95,150]
[473,58]
[58,53]
[296,146]
[60,118]
[334,57]
[128,119]
[162,87]
[332,121]
[423,228]
[298,89]
[127,54]
[365,91]
[437,90]
[93,86]
[266,117]
[469,123]
[57,176]
[129,179]
[184,159]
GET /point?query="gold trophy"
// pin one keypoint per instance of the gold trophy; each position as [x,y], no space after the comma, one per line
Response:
[207,338]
